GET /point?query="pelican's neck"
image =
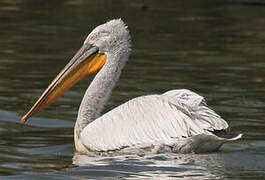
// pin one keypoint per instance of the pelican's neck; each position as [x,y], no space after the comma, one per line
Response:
[99,91]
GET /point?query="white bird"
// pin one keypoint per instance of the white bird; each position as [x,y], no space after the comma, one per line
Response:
[178,119]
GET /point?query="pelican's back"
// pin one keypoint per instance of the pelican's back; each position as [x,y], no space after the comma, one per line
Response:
[167,119]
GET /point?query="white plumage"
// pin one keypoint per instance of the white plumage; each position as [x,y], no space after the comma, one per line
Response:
[179,120]
[169,120]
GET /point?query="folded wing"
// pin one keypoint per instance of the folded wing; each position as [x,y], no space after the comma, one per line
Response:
[152,120]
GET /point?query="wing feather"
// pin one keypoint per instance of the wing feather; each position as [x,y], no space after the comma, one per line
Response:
[151,120]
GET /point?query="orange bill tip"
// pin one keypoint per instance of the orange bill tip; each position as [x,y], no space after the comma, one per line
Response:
[23,119]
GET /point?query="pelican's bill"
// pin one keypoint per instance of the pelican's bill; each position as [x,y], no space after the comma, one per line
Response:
[86,61]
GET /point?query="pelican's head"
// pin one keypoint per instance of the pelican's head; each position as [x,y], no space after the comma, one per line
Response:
[108,39]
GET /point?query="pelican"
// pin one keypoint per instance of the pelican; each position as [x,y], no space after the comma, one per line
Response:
[178,119]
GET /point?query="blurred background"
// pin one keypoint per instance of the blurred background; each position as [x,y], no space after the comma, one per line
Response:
[212,47]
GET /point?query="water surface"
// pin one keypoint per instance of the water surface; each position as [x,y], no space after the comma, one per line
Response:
[215,48]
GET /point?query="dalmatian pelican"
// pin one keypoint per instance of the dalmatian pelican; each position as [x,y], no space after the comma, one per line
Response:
[178,119]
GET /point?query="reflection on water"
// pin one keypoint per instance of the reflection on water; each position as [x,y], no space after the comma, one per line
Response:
[165,165]
[215,48]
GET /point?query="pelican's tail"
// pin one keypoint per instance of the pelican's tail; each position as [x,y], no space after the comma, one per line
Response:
[202,143]
[232,138]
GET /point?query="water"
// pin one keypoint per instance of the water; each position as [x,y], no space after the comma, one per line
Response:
[215,48]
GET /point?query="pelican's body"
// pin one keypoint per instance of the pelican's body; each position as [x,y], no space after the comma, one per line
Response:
[178,119]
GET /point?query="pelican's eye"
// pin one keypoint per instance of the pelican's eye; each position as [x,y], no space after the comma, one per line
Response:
[92,38]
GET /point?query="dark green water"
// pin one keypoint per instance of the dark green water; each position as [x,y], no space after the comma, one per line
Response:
[215,48]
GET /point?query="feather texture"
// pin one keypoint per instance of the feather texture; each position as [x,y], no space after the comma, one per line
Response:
[167,119]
